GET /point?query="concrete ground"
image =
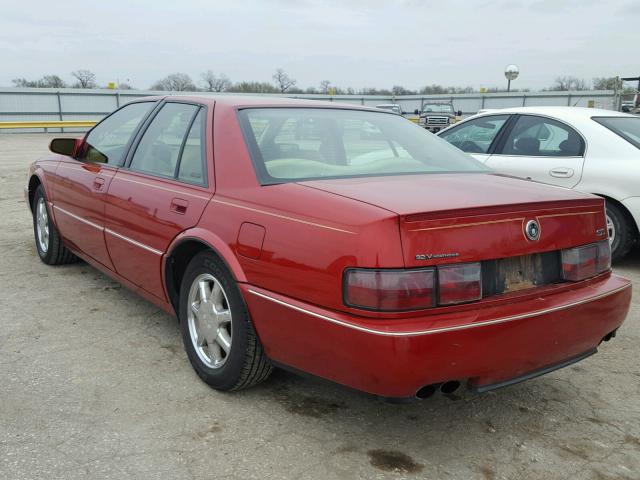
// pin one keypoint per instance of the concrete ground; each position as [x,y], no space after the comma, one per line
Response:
[94,383]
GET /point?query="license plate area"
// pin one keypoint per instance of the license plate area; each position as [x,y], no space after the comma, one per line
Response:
[506,275]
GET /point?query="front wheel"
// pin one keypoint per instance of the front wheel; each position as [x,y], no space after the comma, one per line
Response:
[621,231]
[49,244]
[217,331]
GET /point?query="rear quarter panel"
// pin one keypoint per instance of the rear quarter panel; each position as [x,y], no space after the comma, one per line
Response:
[310,236]
[612,165]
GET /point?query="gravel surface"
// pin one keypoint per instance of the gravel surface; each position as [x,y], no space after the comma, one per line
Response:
[94,383]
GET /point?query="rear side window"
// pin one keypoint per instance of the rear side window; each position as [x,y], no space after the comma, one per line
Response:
[191,165]
[534,136]
[626,127]
[475,136]
[107,141]
[174,136]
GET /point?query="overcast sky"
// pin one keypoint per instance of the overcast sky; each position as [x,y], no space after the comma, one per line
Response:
[357,43]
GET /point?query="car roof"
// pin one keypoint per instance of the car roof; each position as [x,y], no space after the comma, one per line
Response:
[247,101]
[563,113]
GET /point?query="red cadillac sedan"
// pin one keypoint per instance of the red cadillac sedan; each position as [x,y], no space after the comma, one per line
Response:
[337,240]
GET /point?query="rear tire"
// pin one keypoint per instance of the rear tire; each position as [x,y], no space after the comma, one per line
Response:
[49,244]
[217,332]
[621,231]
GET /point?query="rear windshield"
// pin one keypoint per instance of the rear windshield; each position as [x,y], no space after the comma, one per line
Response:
[626,127]
[292,144]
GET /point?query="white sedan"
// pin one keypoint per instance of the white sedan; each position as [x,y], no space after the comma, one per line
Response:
[591,150]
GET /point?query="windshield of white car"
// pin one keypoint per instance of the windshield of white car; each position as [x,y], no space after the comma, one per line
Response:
[294,144]
[437,108]
[625,127]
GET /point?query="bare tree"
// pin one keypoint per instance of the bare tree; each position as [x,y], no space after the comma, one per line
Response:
[215,84]
[607,83]
[23,82]
[400,90]
[176,82]
[48,81]
[324,86]
[51,81]
[283,81]
[253,87]
[567,82]
[86,79]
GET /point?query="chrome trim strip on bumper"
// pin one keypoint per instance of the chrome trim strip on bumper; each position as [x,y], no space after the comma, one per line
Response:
[109,231]
[432,331]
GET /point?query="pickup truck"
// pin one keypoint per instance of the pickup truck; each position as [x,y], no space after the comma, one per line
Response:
[436,116]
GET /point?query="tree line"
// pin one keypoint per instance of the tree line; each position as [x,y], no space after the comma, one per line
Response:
[209,81]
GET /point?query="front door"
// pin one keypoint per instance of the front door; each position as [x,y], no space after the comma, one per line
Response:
[80,184]
[162,192]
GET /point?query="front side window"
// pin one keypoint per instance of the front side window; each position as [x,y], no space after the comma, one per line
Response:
[543,137]
[107,141]
[289,144]
[475,136]
[171,139]
[625,127]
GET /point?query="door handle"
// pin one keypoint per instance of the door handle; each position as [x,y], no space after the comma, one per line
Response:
[561,172]
[178,205]
[98,183]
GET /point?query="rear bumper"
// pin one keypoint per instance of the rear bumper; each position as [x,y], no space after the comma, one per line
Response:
[487,346]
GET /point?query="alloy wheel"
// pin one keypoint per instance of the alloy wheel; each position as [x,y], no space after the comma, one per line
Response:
[210,320]
[611,229]
[42,225]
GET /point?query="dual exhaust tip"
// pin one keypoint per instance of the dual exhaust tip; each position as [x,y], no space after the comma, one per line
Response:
[445,388]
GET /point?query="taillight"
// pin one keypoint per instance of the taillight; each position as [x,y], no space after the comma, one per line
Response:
[390,290]
[399,290]
[459,283]
[587,261]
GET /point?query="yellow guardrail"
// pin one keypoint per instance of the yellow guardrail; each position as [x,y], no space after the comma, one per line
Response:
[49,124]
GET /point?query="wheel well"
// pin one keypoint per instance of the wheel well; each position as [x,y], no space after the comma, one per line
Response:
[34,182]
[177,264]
[625,211]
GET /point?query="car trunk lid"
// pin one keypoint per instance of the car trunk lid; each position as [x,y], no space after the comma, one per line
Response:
[450,218]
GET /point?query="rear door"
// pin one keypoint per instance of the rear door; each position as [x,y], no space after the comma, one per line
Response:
[541,149]
[162,190]
[478,136]
[81,183]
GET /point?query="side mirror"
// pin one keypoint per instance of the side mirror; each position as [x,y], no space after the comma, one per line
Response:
[65,146]
[459,113]
[416,112]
